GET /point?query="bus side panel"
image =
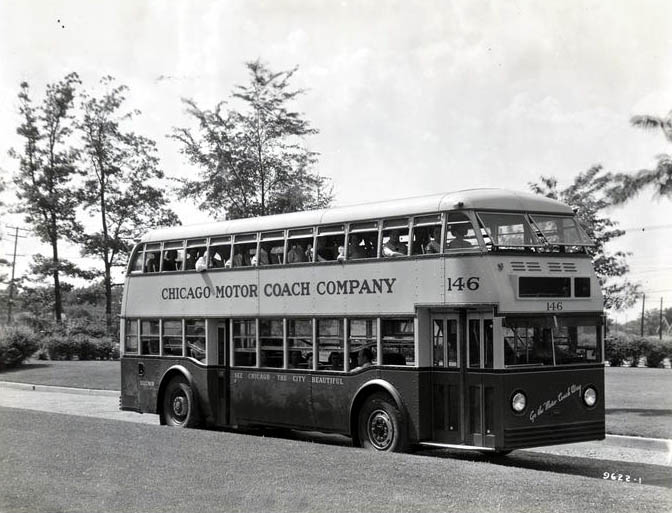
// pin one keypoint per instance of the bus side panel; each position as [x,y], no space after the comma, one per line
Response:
[129,384]
[270,397]
[408,384]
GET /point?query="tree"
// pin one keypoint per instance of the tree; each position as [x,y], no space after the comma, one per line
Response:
[627,186]
[122,188]
[590,196]
[47,165]
[253,161]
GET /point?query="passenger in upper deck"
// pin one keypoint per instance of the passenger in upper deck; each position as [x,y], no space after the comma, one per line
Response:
[434,245]
[394,247]
[170,260]
[296,254]
[459,231]
[204,261]
[355,249]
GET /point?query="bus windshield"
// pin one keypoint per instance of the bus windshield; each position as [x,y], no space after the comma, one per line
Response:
[561,230]
[551,340]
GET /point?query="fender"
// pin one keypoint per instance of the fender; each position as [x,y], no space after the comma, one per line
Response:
[181,369]
[381,383]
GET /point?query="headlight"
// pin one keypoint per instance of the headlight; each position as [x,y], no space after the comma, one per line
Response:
[589,396]
[518,402]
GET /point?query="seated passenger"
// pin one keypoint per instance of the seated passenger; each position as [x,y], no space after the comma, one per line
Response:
[296,254]
[295,360]
[170,260]
[151,265]
[394,247]
[434,245]
[459,231]
[204,261]
[262,259]
[341,254]
[355,248]
[364,358]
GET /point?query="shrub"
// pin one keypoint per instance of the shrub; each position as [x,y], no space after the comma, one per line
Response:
[615,348]
[60,347]
[86,348]
[657,352]
[16,345]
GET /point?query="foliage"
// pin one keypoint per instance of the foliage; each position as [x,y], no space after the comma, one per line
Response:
[122,187]
[47,165]
[652,323]
[253,161]
[16,345]
[80,346]
[589,196]
[627,186]
[624,348]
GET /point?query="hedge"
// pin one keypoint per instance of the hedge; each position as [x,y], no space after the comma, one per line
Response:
[67,347]
[626,349]
[16,345]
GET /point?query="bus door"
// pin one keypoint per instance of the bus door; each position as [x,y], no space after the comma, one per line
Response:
[224,364]
[479,385]
[446,378]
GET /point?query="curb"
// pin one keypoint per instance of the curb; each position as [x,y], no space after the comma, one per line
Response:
[62,390]
[639,442]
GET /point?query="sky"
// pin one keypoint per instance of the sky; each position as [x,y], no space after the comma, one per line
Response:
[409,97]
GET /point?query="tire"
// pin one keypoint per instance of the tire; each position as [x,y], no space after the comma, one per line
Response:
[179,406]
[381,426]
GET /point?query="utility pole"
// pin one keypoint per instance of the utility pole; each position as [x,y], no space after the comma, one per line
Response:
[11,283]
[660,320]
[641,329]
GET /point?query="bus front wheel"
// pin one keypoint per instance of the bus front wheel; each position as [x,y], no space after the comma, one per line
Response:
[381,425]
[179,405]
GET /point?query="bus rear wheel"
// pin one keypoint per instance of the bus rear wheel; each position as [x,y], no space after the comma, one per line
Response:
[381,425]
[179,407]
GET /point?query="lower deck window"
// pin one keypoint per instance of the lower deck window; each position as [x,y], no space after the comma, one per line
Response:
[149,337]
[362,335]
[245,343]
[195,339]
[172,338]
[271,339]
[398,341]
[300,343]
[131,336]
[330,344]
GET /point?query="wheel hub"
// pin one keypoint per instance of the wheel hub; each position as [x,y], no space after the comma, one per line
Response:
[381,429]
[179,407]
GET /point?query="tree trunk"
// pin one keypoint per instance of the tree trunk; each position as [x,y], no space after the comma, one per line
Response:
[58,306]
[108,298]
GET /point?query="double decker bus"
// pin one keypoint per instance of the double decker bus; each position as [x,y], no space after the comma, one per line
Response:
[470,319]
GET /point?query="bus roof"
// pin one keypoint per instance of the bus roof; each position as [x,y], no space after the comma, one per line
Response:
[478,199]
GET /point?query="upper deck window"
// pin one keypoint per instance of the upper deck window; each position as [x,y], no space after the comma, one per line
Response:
[195,249]
[460,234]
[508,230]
[561,230]
[152,257]
[330,243]
[172,256]
[362,240]
[220,251]
[298,243]
[426,238]
[137,259]
[244,250]
[395,238]
[271,248]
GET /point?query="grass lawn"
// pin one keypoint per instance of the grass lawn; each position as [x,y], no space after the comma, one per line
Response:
[102,375]
[639,400]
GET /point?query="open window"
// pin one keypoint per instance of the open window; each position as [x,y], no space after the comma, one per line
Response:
[271,248]
[330,243]
[299,245]
[152,257]
[244,250]
[220,251]
[195,249]
[395,238]
[460,233]
[561,230]
[172,256]
[426,238]
[362,240]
